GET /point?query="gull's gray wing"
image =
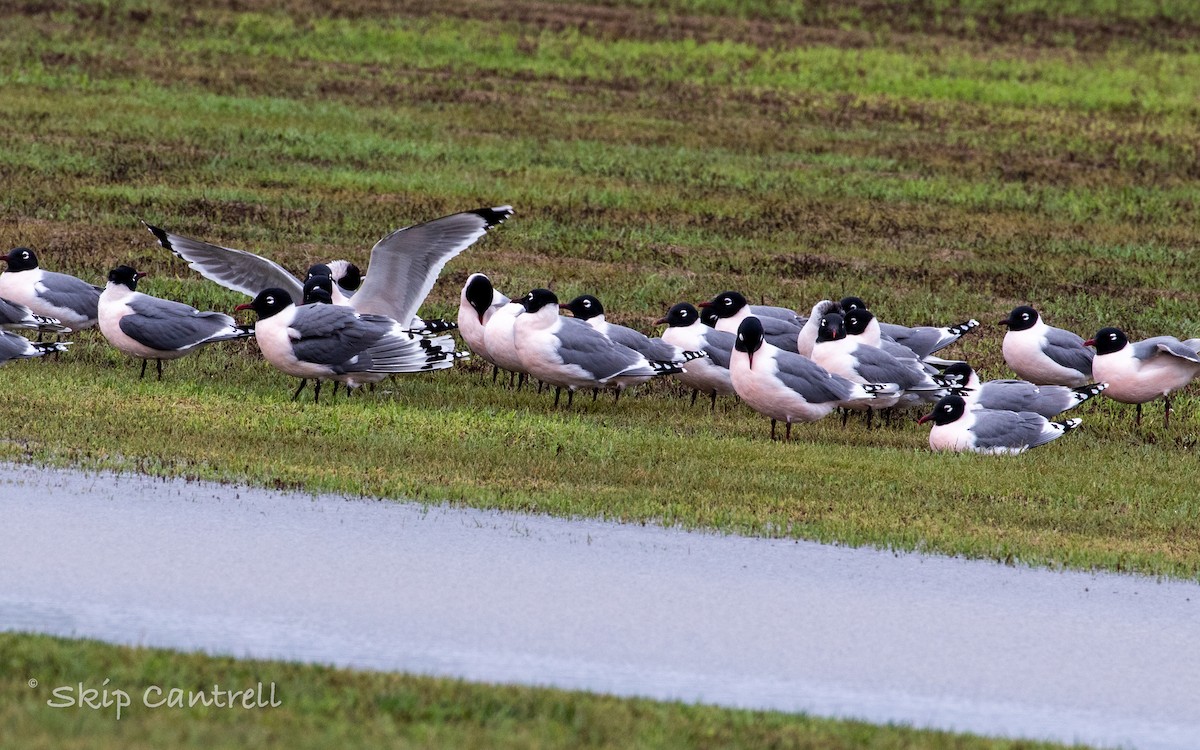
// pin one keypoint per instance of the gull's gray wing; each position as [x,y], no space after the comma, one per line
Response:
[333,335]
[62,290]
[1067,349]
[13,315]
[1168,344]
[1006,429]
[233,269]
[875,365]
[813,382]
[779,313]
[173,326]
[581,345]
[405,264]
[13,346]
[1021,395]
[655,348]
[718,345]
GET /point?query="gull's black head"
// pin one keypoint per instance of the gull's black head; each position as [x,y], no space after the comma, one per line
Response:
[1021,318]
[725,304]
[318,290]
[680,316]
[1108,340]
[832,328]
[852,303]
[709,317]
[318,271]
[584,307]
[958,373]
[749,336]
[21,259]
[351,279]
[857,320]
[268,302]
[479,292]
[537,299]
[125,276]
[946,411]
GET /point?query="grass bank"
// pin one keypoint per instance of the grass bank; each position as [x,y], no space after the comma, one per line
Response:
[322,707]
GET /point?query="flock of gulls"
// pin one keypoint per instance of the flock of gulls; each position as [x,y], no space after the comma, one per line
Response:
[353,328]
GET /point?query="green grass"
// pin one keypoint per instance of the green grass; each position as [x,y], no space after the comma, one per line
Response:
[944,161]
[323,707]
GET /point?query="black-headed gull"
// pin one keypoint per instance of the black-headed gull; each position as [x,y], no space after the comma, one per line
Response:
[477,303]
[862,363]
[332,342]
[404,265]
[1042,354]
[568,353]
[731,309]
[862,326]
[65,298]
[13,346]
[707,374]
[924,341]
[14,316]
[959,429]
[790,387]
[152,328]
[1138,372]
[587,307]
[1017,395]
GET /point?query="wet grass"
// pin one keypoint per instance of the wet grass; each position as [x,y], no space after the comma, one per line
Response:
[322,707]
[948,166]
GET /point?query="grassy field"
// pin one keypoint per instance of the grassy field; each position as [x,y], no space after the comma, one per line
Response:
[942,160]
[321,707]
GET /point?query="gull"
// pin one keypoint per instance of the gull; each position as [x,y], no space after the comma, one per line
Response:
[333,342]
[568,353]
[152,328]
[1017,395]
[862,363]
[69,300]
[957,428]
[732,308]
[1138,372]
[924,341]
[789,387]
[708,374]
[404,265]
[862,326]
[13,347]
[587,308]
[1043,354]
[14,316]
[477,303]
[807,337]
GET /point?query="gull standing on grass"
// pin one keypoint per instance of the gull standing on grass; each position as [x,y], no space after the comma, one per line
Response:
[152,328]
[587,308]
[1043,354]
[1140,372]
[959,429]
[477,303]
[403,268]
[71,301]
[332,342]
[708,374]
[568,353]
[789,387]
[924,341]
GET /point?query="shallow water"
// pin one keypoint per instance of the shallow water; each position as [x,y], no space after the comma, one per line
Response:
[631,610]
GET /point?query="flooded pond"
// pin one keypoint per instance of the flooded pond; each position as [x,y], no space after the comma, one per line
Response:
[630,610]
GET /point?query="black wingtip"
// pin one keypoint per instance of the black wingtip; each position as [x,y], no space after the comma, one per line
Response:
[159,234]
[493,216]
